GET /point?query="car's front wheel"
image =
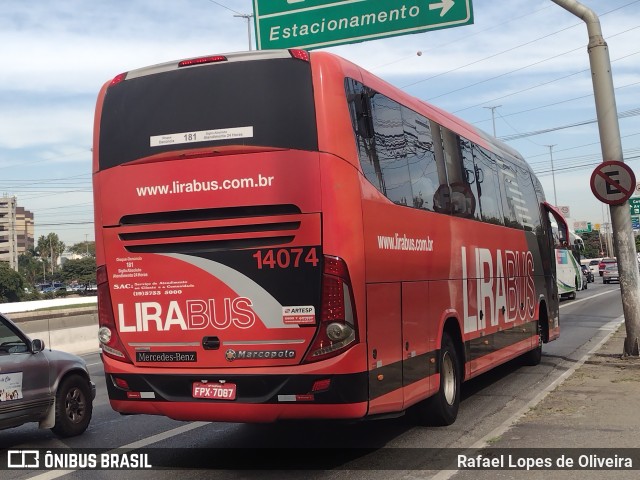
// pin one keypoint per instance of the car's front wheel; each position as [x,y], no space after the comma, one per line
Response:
[74,406]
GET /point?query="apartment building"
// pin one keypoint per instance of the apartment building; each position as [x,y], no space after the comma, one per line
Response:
[25,230]
[8,232]
[17,231]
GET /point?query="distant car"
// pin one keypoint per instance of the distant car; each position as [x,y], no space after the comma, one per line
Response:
[610,273]
[604,262]
[593,265]
[588,276]
[50,387]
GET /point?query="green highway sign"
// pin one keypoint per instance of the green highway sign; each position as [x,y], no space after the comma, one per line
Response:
[312,24]
[583,227]
[634,205]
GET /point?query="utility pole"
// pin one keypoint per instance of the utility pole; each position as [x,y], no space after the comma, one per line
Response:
[611,146]
[493,117]
[553,175]
[247,17]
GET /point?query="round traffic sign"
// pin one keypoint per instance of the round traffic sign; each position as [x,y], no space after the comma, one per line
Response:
[613,182]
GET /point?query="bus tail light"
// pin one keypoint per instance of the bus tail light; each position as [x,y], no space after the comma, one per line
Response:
[338,329]
[202,60]
[110,342]
[118,78]
[299,54]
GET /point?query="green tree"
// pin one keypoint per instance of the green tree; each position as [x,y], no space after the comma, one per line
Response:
[82,271]
[11,284]
[29,267]
[50,247]
[84,249]
[591,244]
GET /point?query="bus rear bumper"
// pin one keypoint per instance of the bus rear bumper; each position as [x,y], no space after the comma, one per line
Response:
[241,412]
[261,398]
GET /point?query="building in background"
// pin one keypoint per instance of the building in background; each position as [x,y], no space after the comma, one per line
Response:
[8,232]
[16,231]
[25,230]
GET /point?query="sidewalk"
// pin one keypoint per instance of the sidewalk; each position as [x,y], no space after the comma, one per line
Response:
[596,407]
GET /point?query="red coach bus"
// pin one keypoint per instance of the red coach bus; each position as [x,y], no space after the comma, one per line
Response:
[283,235]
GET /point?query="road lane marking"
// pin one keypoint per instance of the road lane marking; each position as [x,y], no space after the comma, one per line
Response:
[50,475]
[573,302]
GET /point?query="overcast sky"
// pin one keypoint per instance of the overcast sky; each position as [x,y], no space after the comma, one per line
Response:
[526,58]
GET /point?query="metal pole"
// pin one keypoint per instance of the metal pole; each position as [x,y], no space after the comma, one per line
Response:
[611,145]
[493,117]
[553,175]
[248,18]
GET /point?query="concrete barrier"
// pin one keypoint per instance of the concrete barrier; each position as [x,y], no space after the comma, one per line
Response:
[41,304]
[73,329]
[77,340]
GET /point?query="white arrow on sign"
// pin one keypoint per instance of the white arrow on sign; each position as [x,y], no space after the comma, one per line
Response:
[445,5]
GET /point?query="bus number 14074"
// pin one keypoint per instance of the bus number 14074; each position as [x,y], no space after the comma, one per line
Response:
[286,257]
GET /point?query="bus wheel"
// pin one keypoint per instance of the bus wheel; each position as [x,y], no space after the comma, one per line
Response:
[442,408]
[533,357]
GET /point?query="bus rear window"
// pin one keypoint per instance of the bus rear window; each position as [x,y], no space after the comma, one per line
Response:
[258,103]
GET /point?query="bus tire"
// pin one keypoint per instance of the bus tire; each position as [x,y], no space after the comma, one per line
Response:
[442,408]
[533,357]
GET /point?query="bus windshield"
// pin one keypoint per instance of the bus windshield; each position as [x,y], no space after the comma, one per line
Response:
[218,104]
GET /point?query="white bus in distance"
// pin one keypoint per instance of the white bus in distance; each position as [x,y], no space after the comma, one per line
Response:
[569,276]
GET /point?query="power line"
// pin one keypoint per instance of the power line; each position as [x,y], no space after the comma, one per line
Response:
[507,138]
[225,7]
[519,46]
[465,37]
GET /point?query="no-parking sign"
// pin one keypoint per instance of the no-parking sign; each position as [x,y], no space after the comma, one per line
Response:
[613,182]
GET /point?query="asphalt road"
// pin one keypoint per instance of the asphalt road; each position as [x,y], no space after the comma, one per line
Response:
[369,450]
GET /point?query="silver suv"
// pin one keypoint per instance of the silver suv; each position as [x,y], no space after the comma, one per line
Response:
[50,387]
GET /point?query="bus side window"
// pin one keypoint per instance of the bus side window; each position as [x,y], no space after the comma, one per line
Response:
[488,186]
[389,149]
[461,173]
[381,142]
[559,234]
[442,195]
[424,170]
[530,210]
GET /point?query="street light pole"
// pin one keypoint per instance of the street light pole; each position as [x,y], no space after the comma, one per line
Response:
[553,175]
[611,146]
[247,17]
[493,117]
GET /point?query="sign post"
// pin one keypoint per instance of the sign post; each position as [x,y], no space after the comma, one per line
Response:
[312,24]
[611,145]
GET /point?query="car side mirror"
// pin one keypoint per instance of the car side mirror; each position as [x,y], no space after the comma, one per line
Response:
[37,345]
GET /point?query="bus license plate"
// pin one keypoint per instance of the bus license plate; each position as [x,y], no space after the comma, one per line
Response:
[216,391]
